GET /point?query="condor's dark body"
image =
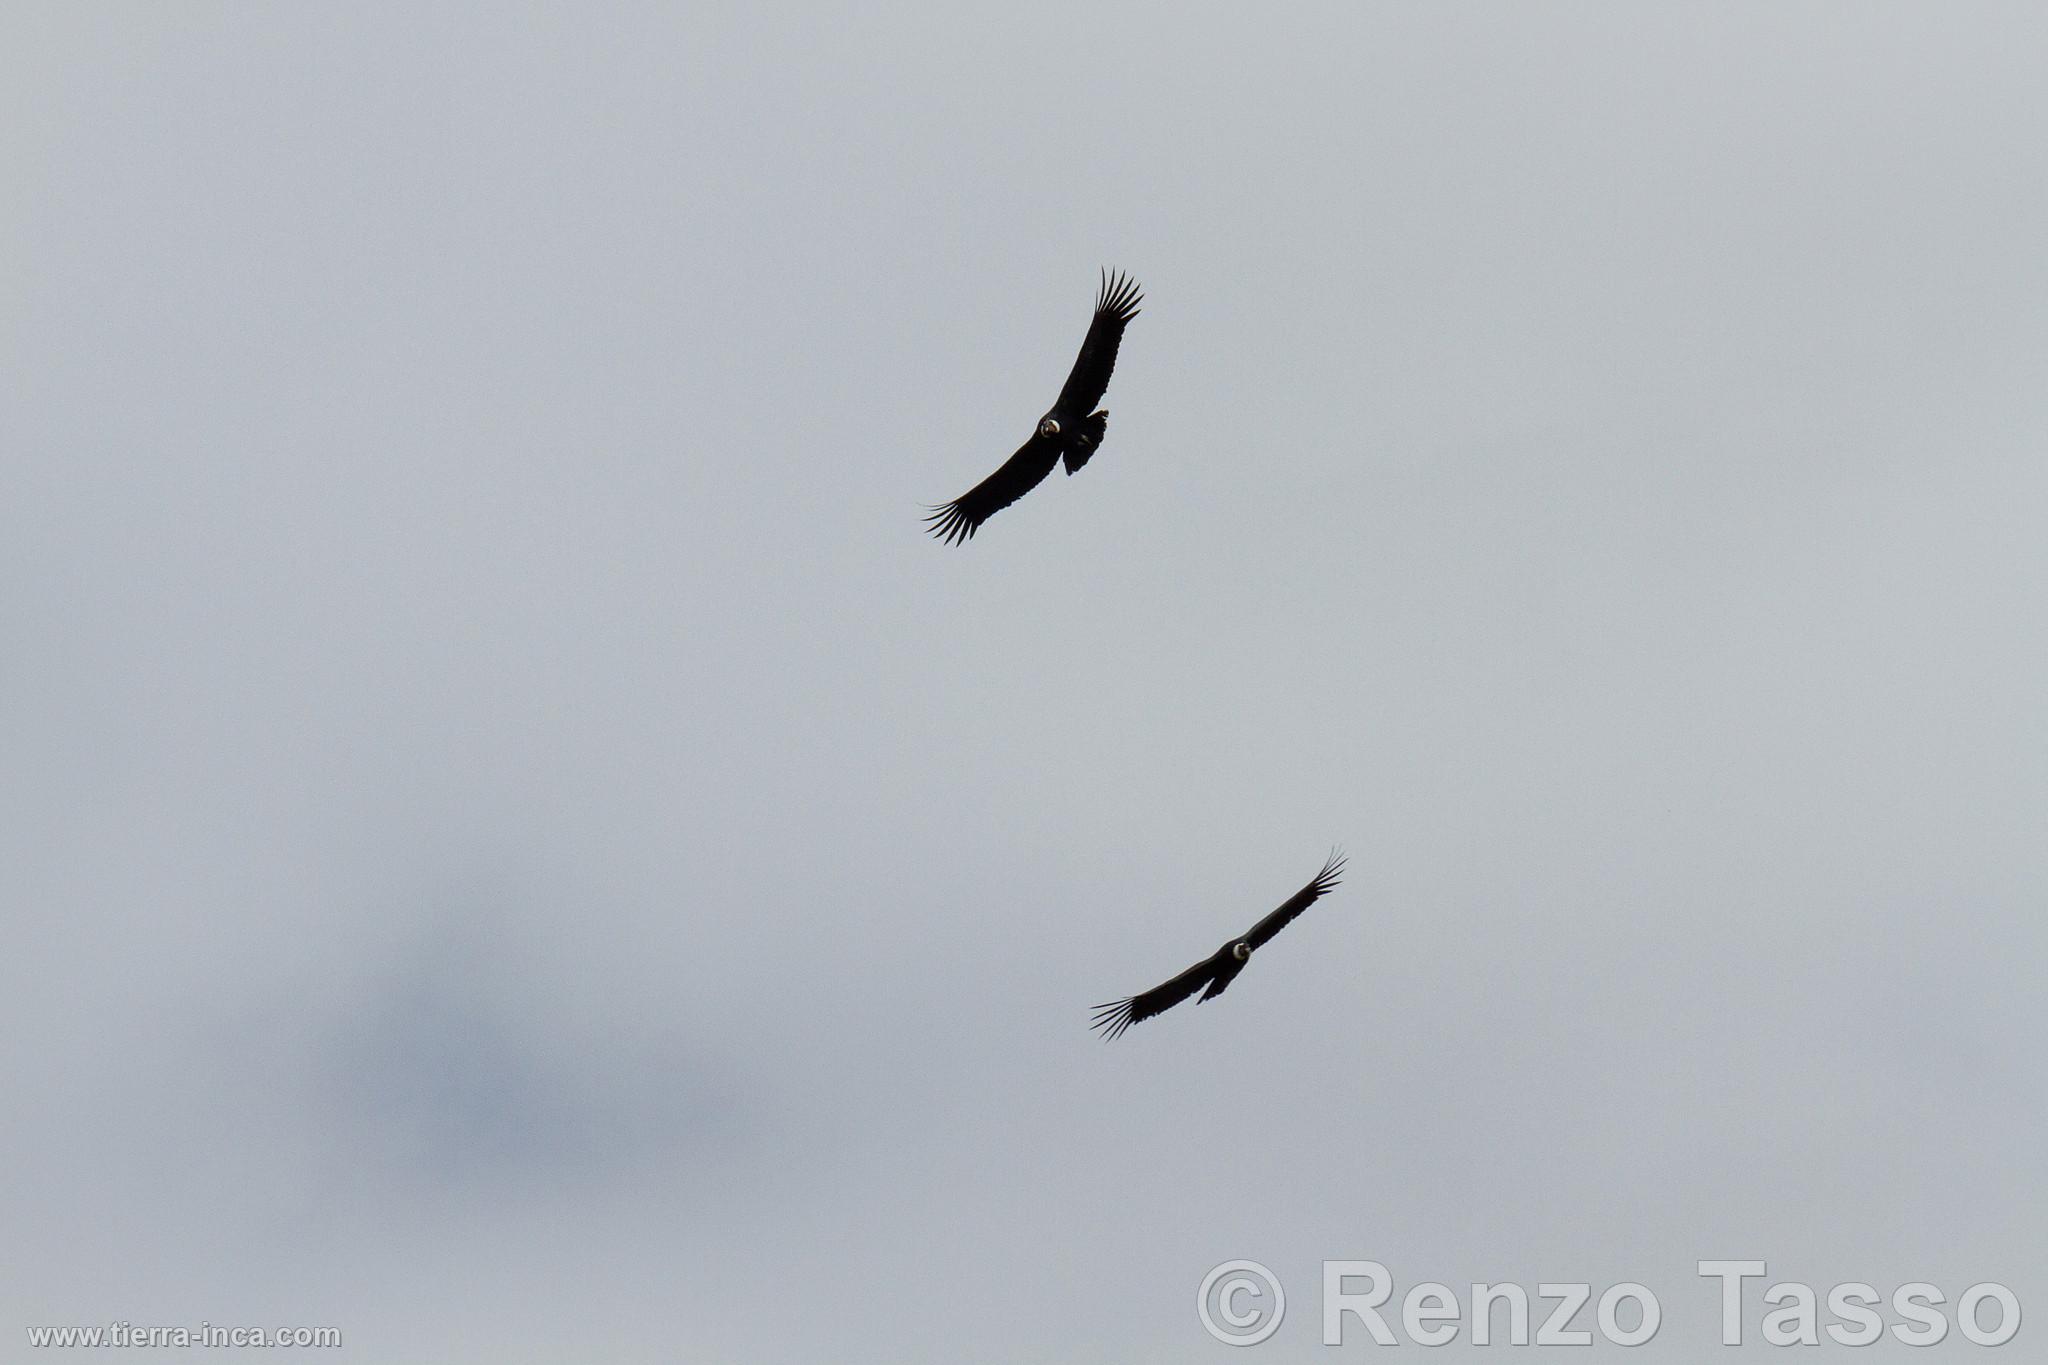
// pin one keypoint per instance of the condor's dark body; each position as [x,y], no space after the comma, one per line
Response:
[1071,431]
[1219,970]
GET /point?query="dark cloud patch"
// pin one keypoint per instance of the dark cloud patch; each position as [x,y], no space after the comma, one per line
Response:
[459,1067]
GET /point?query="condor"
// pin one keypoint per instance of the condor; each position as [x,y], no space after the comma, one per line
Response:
[1222,967]
[1069,431]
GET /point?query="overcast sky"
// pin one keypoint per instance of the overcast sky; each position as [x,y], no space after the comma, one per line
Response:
[516,845]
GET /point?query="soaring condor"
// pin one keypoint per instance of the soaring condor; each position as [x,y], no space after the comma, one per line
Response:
[1070,431]
[1218,971]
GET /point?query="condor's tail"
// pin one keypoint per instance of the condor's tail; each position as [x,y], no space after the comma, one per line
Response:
[1086,443]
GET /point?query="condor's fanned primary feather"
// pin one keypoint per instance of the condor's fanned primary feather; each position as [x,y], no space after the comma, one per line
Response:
[1222,967]
[1069,431]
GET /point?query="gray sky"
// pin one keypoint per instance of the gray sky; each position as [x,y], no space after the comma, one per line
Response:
[518,848]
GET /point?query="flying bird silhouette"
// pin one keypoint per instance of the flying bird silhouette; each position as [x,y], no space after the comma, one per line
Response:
[1219,970]
[1069,430]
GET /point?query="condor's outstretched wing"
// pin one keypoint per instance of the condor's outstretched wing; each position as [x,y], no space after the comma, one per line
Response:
[1117,1015]
[1116,303]
[1262,932]
[958,520]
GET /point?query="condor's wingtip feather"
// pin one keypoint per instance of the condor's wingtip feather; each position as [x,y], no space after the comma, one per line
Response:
[951,525]
[1333,868]
[1113,1018]
[1118,295]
